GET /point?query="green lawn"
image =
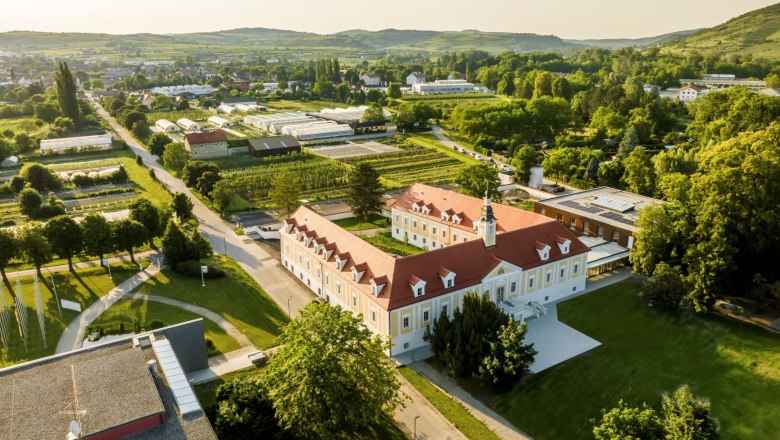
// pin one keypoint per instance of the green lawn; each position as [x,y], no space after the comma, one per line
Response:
[449,408]
[431,141]
[358,224]
[83,287]
[125,310]
[643,354]
[236,297]
[386,242]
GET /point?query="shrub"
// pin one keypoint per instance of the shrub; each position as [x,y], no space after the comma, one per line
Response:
[192,269]
[155,324]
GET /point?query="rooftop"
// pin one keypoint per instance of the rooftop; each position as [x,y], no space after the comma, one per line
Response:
[108,389]
[205,137]
[77,141]
[607,205]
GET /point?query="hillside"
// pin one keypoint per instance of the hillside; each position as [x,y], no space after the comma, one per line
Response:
[756,32]
[616,43]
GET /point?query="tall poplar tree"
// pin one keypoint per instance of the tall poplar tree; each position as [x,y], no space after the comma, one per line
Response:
[66,92]
[365,192]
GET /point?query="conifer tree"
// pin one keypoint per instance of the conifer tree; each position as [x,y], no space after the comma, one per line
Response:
[66,92]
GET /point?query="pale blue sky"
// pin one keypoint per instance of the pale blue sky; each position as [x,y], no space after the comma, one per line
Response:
[565,18]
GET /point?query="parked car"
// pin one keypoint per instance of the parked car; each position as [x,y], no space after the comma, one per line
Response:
[559,189]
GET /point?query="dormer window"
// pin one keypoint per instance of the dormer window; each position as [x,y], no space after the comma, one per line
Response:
[543,250]
[563,244]
[341,261]
[377,284]
[357,272]
[456,219]
[307,241]
[415,207]
[447,277]
[417,285]
[288,227]
[425,210]
[445,217]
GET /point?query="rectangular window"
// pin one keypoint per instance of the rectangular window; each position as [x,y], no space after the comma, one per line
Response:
[406,322]
[599,232]
[586,228]
[406,221]
[426,315]
[559,217]
[513,287]
[454,237]
[531,283]
[423,226]
[615,236]
[318,273]
[572,223]
[326,278]
[449,283]
[419,291]
[414,223]
[397,218]
[373,315]
[433,230]
[354,300]
[433,244]
[444,309]
[576,268]
[541,211]
[338,287]
[547,277]
[465,239]
[415,237]
[563,272]
[443,233]
[397,231]
[424,240]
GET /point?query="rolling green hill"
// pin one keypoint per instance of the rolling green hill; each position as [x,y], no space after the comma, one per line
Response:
[616,43]
[756,33]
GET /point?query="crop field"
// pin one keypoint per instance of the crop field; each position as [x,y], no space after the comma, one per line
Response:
[350,150]
[320,178]
[412,164]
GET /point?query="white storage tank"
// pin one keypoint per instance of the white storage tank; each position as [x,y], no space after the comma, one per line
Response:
[537,176]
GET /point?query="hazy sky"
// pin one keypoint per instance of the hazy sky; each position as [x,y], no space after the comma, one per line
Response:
[565,18]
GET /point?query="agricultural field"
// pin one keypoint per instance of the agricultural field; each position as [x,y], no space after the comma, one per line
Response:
[302,106]
[173,116]
[103,197]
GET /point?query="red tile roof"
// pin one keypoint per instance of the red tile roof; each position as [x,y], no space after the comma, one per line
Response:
[467,208]
[470,261]
[205,137]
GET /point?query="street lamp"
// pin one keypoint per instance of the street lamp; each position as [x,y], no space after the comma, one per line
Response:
[415,426]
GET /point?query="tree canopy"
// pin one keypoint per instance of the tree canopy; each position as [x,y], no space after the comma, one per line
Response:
[364,194]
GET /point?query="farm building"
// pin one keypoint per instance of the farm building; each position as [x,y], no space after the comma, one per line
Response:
[220,122]
[309,133]
[239,100]
[443,86]
[191,89]
[226,109]
[77,144]
[246,108]
[350,115]
[287,128]
[166,126]
[206,144]
[261,122]
[188,124]
[274,145]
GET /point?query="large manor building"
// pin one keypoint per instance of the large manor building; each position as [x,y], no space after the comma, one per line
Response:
[520,259]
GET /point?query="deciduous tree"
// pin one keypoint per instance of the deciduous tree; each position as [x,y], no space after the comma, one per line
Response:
[175,156]
[629,423]
[9,249]
[96,233]
[525,158]
[285,191]
[64,235]
[182,206]
[145,212]
[330,374]
[129,234]
[474,180]
[34,246]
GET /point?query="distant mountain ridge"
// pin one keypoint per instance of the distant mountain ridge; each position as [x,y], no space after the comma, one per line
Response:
[757,32]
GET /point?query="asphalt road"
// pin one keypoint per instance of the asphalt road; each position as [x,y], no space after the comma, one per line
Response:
[261,265]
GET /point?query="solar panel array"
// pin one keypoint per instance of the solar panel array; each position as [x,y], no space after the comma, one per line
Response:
[586,208]
[617,218]
[177,380]
[615,203]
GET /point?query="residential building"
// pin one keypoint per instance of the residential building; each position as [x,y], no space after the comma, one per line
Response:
[206,144]
[606,215]
[76,144]
[133,388]
[443,86]
[518,259]
[371,79]
[688,93]
[415,78]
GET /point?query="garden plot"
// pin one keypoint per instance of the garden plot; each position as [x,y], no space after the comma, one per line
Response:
[348,150]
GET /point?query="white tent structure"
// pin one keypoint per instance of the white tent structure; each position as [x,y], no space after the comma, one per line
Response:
[220,122]
[226,109]
[188,124]
[308,133]
[77,144]
[167,126]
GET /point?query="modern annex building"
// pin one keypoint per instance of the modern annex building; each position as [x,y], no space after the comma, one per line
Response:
[519,259]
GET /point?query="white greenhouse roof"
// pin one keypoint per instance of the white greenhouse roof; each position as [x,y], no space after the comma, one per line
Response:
[80,141]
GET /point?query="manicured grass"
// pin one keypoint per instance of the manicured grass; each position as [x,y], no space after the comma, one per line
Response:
[386,242]
[526,205]
[449,408]
[236,297]
[125,310]
[83,287]
[645,353]
[358,224]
